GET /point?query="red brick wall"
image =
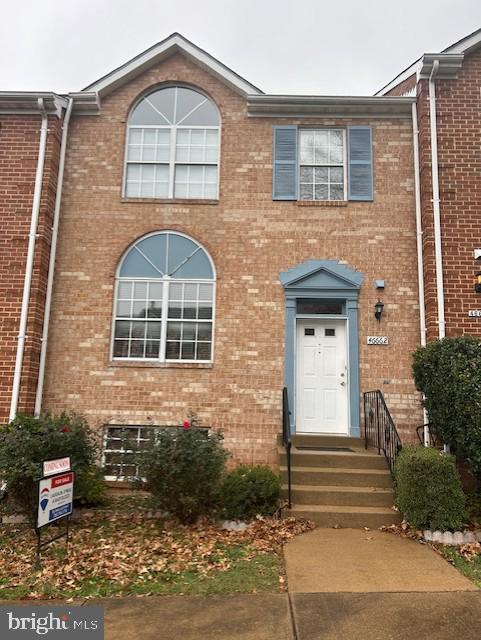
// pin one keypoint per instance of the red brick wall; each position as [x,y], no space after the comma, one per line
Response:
[19,141]
[458,108]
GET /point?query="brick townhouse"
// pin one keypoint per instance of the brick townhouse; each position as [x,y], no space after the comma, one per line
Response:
[447,88]
[216,244]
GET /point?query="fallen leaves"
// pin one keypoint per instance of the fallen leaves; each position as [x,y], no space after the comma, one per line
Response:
[133,551]
[470,551]
[403,530]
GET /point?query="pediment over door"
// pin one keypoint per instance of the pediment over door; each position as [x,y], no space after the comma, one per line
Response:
[322,275]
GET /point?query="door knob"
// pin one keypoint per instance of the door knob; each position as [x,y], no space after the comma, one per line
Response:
[342,383]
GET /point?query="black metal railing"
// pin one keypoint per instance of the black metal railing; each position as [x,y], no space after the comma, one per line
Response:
[286,441]
[379,429]
[432,438]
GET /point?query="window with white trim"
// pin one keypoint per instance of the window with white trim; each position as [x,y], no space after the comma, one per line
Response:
[121,448]
[173,146]
[164,303]
[322,164]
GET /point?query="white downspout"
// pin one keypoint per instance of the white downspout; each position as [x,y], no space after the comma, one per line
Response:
[29,264]
[419,247]
[419,229]
[51,264]
[436,207]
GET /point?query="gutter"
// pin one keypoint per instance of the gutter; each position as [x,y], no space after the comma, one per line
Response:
[340,106]
[30,258]
[51,264]
[436,204]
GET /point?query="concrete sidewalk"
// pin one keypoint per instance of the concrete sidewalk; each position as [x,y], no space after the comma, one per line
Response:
[355,560]
[296,616]
[311,616]
[218,617]
[387,616]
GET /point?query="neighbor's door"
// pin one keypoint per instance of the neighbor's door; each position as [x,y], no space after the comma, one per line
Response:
[321,377]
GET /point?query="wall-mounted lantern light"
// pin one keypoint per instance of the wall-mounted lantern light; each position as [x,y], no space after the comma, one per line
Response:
[477,282]
[378,309]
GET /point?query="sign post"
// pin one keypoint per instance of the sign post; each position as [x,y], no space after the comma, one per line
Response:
[55,499]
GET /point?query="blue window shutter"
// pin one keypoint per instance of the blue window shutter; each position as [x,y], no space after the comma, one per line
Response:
[360,163]
[284,178]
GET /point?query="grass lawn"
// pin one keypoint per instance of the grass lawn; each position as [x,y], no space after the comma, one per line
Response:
[119,555]
[464,560]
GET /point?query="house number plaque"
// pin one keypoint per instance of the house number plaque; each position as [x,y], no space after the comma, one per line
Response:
[382,340]
[474,313]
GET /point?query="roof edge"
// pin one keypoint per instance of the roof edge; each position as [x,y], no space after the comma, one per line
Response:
[466,44]
[344,106]
[28,102]
[449,65]
[412,69]
[463,47]
[175,43]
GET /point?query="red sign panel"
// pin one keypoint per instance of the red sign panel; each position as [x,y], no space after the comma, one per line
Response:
[59,481]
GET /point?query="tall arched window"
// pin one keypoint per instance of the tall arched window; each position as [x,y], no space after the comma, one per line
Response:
[164,300]
[173,146]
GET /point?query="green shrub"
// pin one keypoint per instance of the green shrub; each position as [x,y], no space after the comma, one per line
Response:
[183,470]
[248,491]
[428,489]
[26,442]
[448,373]
[89,487]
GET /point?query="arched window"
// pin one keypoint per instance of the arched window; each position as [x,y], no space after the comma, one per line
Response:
[164,300]
[173,146]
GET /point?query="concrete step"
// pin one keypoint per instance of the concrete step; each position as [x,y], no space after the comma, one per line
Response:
[345,517]
[334,476]
[307,440]
[358,459]
[342,496]
[315,440]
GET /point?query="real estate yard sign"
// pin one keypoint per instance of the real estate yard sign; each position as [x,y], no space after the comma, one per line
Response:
[55,498]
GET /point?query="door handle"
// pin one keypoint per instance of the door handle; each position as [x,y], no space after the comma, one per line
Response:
[342,383]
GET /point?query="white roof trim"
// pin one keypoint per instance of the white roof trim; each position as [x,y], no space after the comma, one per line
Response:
[27,102]
[465,45]
[173,44]
[414,68]
[449,65]
[334,106]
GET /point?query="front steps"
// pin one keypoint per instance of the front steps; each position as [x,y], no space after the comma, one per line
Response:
[337,483]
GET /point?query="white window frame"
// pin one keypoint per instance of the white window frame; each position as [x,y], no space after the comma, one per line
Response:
[105,450]
[166,281]
[138,427]
[344,161]
[172,163]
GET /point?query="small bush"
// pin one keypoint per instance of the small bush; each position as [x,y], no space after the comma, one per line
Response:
[248,491]
[184,470]
[428,489]
[26,442]
[89,487]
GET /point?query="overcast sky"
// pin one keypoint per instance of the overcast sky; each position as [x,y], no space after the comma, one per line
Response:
[282,46]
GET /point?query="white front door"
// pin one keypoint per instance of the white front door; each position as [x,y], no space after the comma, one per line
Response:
[321,377]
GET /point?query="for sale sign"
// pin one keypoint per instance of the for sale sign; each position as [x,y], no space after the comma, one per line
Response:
[55,498]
